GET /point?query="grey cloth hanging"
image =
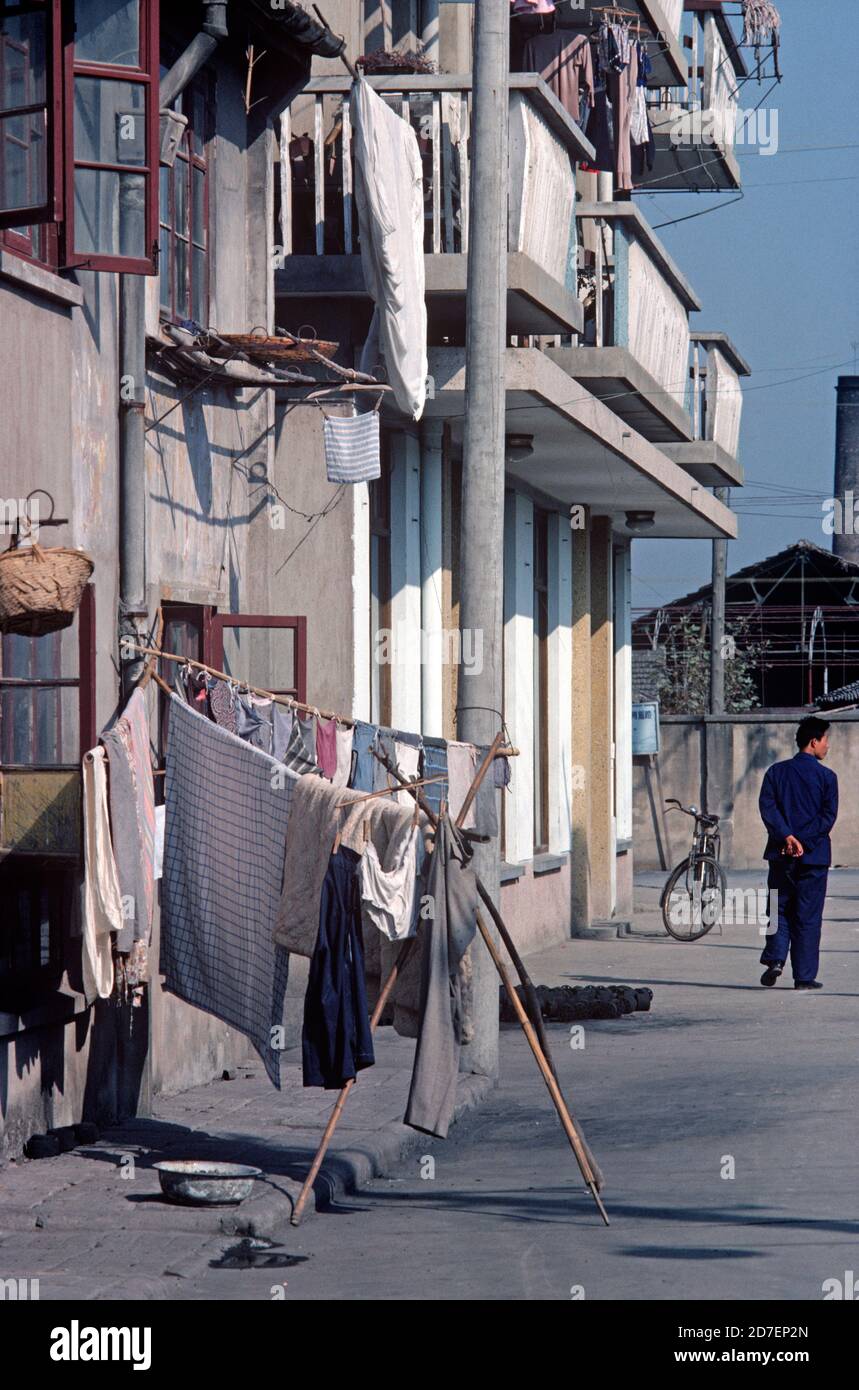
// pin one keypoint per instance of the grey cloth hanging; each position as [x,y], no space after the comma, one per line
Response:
[452,889]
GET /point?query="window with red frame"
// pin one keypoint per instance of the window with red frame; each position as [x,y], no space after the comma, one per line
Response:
[31,188]
[79,131]
[184,211]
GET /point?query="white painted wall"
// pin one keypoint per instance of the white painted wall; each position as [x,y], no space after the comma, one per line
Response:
[623,691]
[519,671]
[406,581]
[432,684]
[560,713]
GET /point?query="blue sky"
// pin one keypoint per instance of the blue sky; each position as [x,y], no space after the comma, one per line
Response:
[777,271]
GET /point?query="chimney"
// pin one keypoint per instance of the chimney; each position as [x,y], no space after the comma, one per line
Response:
[847,464]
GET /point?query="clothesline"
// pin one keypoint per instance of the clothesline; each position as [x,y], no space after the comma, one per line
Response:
[287,700]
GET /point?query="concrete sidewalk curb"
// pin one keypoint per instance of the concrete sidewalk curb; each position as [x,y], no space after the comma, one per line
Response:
[346,1171]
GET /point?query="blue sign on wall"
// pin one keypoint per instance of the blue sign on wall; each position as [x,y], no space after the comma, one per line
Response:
[645,727]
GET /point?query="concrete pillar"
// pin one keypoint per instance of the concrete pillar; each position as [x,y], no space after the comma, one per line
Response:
[623,691]
[602,844]
[560,712]
[405,645]
[359,500]
[432,616]
[519,670]
[580,898]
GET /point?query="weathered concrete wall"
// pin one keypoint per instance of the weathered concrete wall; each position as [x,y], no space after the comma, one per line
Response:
[207,539]
[718,765]
[536,908]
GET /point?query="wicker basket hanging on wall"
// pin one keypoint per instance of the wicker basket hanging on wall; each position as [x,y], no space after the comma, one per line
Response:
[40,590]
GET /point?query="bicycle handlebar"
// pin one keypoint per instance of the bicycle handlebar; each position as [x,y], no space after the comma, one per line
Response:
[692,811]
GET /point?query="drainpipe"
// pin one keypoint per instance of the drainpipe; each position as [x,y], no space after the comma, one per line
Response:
[132,393]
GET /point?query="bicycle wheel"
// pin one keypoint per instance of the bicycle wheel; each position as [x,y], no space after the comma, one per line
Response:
[693,898]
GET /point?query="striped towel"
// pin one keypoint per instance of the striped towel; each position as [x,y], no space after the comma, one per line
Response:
[352,448]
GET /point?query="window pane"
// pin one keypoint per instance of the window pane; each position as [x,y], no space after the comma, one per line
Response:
[164,197]
[199,306]
[180,205]
[110,216]
[164,269]
[23,161]
[22,60]
[199,207]
[108,31]
[110,121]
[263,656]
[39,725]
[183,304]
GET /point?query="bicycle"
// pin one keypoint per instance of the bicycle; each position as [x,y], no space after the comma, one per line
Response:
[694,892]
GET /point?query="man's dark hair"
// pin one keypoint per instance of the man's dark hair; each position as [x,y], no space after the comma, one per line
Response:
[809,728]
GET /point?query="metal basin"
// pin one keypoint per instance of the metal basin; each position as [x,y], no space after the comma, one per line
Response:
[200,1183]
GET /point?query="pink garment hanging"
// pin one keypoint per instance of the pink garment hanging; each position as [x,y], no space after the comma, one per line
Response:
[533,6]
[326,746]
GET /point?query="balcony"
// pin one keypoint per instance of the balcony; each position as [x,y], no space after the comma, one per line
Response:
[716,404]
[660,19]
[634,351]
[695,127]
[320,264]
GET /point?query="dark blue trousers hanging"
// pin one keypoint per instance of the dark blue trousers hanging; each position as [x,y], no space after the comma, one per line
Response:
[336,1042]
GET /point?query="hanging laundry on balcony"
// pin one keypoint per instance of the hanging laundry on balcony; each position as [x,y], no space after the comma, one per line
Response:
[564,62]
[390,203]
[352,447]
[609,124]
[228,806]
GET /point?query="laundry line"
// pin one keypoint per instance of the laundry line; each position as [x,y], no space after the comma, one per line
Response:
[287,700]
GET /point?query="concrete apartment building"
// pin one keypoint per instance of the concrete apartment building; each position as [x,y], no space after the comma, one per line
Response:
[199,488]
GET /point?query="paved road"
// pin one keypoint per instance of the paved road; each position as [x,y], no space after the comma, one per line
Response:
[721,1077]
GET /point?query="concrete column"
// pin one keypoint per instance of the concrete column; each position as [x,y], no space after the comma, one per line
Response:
[432,616]
[361,653]
[580,898]
[602,841]
[623,691]
[519,670]
[560,713]
[405,644]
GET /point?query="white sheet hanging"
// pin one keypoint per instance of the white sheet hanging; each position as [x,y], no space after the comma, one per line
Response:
[390,203]
[102,899]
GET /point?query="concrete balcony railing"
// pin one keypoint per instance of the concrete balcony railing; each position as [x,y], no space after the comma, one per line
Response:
[634,349]
[695,127]
[317,227]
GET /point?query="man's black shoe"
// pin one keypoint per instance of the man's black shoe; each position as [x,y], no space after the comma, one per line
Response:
[807,984]
[771,974]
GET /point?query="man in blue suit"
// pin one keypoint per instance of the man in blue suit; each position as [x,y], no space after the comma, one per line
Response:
[799,806]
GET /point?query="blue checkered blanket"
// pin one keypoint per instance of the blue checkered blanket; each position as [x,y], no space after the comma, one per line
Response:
[225,836]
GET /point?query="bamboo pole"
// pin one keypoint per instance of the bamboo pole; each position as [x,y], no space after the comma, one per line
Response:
[334,1117]
[266,694]
[592,1176]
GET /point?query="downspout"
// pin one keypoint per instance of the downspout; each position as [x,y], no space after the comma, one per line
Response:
[132,385]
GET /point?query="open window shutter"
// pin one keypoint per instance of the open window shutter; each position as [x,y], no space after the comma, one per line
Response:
[112,143]
[31,126]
